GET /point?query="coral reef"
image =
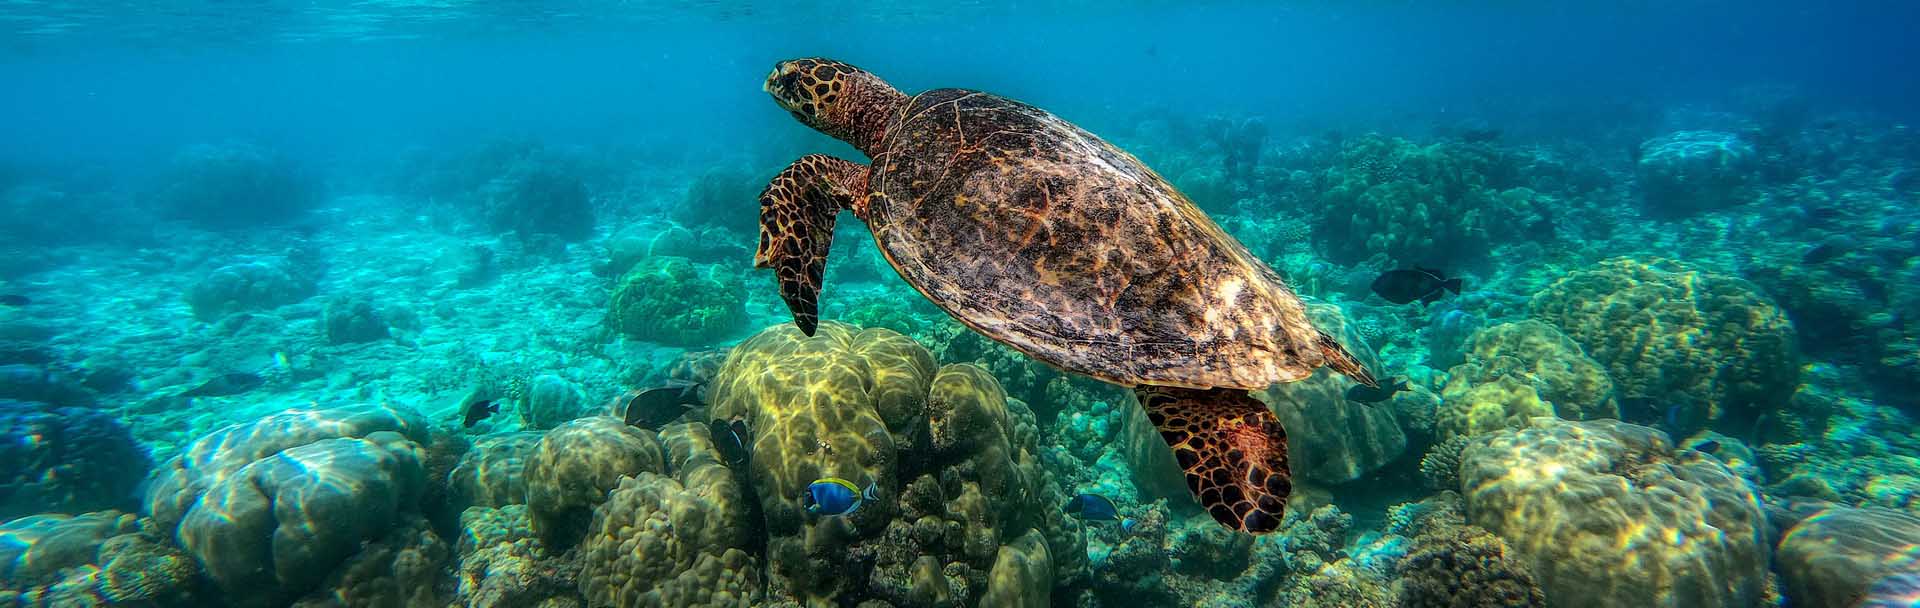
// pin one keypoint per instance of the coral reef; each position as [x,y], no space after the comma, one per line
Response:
[352,321]
[573,468]
[1544,359]
[398,570]
[95,559]
[1687,172]
[1705,346]
[234,185]
[536,197]
[1607,514]
[65,459]
[502,565]
[672,301]
[1442,204]
[954,461]
[550,401]
[1834,558]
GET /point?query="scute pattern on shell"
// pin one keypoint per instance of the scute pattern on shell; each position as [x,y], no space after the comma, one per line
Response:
[1045,237]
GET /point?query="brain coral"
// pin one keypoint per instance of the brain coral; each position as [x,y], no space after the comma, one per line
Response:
[672,541]
[65,459]
[1608,514]
[1834,558]
[953,459]
[281,524]
[1708,346]
[573,468]
[673,301]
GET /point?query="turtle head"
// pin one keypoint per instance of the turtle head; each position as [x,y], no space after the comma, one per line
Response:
[836,98]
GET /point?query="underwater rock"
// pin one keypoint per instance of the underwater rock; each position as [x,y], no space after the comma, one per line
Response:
[1332,439]
[1687,172]
[247,287]
[673,301]
[234,185]
[672,541]
[1608,514]
[1694,346]
[279,526]
[65,459]
[956,465]
[353,320]
[574,467]
[493,472]
[177,485]
[38,383]
[1834,558]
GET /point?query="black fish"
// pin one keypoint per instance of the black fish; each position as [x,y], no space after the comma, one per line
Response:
[1369,394]
[1404,286]
[1707,447]
[15,300]
[732,440]
[225,385]
[654,407]
[481,410]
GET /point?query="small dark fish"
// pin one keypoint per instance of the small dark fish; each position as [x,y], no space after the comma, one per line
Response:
[654,407]
[732,440]
[1707,447]
[481,410]
[835,496]
[226,385]
[1825,213]
[1369,394]
[1405,286]
[15,300]
[1822,253]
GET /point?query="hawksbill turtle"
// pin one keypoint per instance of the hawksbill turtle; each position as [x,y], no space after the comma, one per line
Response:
[1042,236]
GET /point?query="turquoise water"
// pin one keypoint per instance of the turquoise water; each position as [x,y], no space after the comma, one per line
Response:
[448,304]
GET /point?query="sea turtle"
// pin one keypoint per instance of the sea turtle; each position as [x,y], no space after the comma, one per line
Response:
[1047,238]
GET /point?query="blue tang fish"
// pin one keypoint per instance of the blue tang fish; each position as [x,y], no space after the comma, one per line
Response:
[836,496]
[1094,507]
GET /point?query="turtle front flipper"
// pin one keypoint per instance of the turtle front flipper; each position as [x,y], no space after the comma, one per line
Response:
[796,227]
[1232,449]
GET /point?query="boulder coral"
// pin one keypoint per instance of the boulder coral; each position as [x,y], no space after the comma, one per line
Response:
[1332,439]
[1702,346]
[1549,364]
[279,526]
[574,467]
[493,472]
[1835,558]
[502,565]
[1466,567]
[955,464]
[65,459]
[673,301]
[679,540]
[1687,172]
[1607,513]
[248,286]
[95,559]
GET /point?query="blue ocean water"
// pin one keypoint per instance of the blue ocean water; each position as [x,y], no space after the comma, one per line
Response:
[445,303]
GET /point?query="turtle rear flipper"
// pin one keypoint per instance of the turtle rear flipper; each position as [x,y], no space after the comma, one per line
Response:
[1232,449]
[796,227]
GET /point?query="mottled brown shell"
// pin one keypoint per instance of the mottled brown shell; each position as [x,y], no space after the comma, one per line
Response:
[1045,237]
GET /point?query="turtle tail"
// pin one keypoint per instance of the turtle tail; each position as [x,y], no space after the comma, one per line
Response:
[796,227]
[1232,450]
[1343,361]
